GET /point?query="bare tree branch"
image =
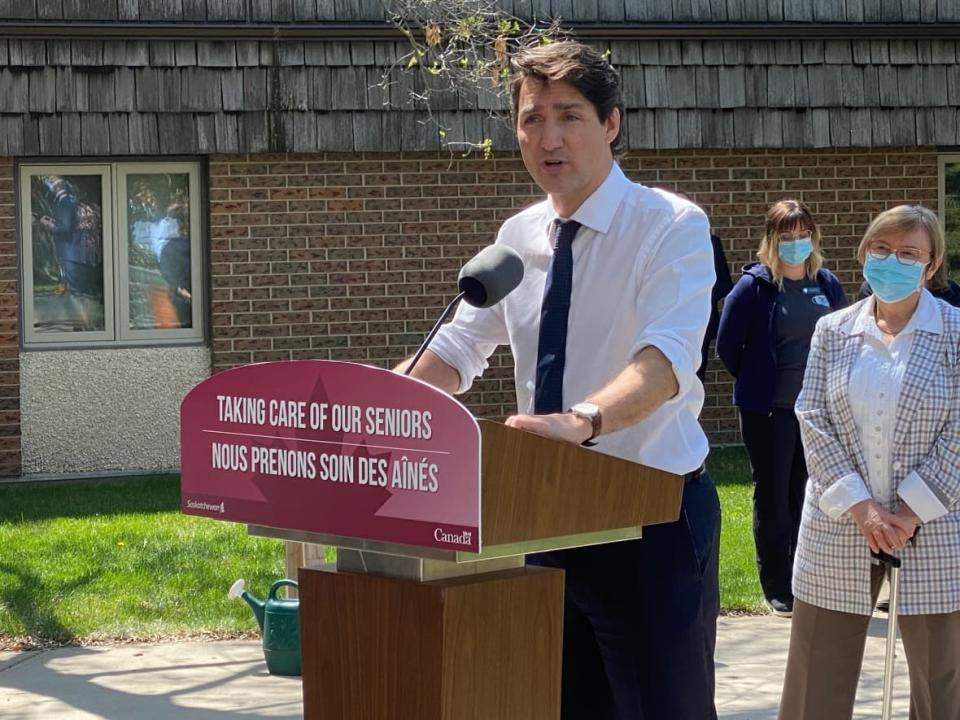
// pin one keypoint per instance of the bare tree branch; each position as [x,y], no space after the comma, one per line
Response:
[458,53]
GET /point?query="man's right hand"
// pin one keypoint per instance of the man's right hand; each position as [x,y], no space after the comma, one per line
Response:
[881,529]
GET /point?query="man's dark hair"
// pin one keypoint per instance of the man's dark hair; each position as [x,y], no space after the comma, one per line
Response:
[581,66]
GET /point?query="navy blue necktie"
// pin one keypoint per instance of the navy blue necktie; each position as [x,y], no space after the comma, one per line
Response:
[552,347]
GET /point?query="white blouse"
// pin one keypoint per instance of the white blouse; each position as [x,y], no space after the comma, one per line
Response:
[873,392]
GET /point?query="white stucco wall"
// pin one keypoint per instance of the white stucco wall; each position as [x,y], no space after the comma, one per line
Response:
[101,410]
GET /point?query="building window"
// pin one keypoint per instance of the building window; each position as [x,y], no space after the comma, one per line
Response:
[950,209]
[112,254]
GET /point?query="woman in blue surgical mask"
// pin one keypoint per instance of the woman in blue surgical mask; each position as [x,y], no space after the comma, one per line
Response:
[939,284]
[764,337]
[880,417]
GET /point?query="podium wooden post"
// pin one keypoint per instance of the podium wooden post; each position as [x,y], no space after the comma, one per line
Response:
[401,633]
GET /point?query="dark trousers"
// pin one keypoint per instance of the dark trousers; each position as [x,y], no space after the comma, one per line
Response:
[640,619]
[175,267]
[779,478]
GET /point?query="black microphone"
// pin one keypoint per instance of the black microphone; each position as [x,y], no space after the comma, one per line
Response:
[486,279]
[490,275]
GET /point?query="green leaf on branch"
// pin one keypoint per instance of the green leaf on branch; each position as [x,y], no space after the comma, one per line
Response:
[415,58]
[508,27]
[469,27]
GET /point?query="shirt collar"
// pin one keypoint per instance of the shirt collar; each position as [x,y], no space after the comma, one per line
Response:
[597,211]
[926,318]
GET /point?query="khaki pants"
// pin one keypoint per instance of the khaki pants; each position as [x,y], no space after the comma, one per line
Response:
[826,654]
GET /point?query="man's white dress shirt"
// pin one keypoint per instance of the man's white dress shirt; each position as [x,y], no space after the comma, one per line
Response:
[642,275]
[874,392]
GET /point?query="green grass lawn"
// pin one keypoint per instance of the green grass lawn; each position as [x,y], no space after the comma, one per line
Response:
[117,559]
[739,585]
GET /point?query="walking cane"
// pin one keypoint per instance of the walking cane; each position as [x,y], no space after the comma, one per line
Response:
[894,564]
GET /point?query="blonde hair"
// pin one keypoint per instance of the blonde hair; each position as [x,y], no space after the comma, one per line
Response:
[783,217]
[903,219]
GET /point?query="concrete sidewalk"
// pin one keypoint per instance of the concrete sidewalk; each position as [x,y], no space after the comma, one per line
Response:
[225,680]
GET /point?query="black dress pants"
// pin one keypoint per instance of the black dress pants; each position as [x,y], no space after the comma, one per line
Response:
[779,479]
[640,619]
[175,267]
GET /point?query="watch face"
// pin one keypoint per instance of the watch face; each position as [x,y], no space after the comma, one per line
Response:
[586,408]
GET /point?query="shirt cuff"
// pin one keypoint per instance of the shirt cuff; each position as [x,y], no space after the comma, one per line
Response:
[843,495]
[921,498]
[683,369]
[459,359]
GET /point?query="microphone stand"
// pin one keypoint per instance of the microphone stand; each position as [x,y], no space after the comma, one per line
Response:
[436,329]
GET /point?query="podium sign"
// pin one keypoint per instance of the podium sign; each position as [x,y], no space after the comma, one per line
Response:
[334,448]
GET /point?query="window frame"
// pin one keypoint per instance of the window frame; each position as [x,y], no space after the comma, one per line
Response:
[116,333]
[46,339]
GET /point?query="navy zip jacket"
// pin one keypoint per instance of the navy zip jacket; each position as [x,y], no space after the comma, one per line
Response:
[746,340]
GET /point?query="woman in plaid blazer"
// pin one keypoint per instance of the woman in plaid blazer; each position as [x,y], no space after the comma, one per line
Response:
[879,414]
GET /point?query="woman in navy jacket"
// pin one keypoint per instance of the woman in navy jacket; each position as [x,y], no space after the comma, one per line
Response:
[764,337]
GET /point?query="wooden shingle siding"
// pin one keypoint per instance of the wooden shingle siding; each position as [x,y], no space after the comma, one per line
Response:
[117,126]
[49,129]
[253,95]
[608,11]
[95,135]
[143,134]
[708,86]
[217,53]
[127,10]
[227,132]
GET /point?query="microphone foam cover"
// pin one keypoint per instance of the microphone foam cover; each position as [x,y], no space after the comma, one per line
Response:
[490,275]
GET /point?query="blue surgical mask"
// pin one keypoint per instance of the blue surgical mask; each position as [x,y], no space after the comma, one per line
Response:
[891,280]
[795,252]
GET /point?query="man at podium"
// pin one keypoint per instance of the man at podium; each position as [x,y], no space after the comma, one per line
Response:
[605,329]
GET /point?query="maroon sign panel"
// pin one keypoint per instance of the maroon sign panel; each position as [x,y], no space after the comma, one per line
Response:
[335,448]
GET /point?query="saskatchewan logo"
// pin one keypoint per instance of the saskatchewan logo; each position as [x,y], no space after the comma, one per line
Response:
[209,507]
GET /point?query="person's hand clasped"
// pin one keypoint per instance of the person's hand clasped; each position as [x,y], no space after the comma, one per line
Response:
[882,530]
[909,517]
[558,426]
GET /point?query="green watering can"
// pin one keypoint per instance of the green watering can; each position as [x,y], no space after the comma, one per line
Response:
[279,622]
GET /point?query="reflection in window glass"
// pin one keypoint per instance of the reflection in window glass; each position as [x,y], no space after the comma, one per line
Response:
[158,228]
[951,216]
[67,247]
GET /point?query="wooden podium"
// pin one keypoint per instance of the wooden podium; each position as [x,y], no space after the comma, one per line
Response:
[407,633]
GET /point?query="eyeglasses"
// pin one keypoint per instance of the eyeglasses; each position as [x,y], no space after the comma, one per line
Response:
[905,256]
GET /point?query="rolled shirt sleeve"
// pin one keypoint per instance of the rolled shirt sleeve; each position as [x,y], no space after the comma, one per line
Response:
[921,498]
[843,495]
[469,339]
[676,281]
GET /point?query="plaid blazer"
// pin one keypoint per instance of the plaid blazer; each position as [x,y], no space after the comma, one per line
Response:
[832,562]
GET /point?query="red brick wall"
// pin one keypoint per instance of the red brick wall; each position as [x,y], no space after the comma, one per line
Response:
[351,257]
[9,340]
